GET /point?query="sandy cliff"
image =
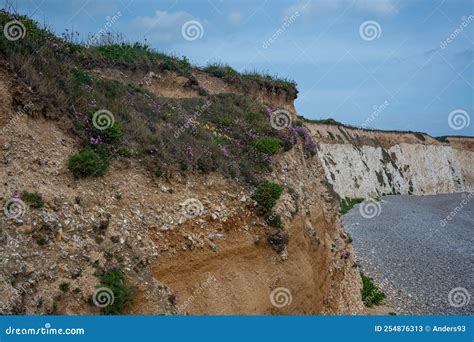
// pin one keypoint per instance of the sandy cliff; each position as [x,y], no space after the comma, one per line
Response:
[217,263]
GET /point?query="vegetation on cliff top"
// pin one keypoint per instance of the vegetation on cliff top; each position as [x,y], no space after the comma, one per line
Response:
[227,133]
[229,74]
[333,122]
[113,50]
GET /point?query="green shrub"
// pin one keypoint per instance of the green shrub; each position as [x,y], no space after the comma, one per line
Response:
[123,52]
[180,65]
[41,241]
[266,194]
[124,294]
[64,287]
[268,145]
[88,163]
[287,145]
[112,133]
[329,121]
[274,219]
[34,199]
[371,294]
[221,70]
[348,203]
[124,151]
[81,77]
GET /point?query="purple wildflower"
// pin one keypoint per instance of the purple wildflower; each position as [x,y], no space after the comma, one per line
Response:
[95,140]
[345,254]
[189,151]
[189,123]
[269,111]
[293,135]
[267,158]
[225,152]
[309,145]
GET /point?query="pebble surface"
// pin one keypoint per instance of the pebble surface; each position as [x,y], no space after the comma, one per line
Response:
[421,260]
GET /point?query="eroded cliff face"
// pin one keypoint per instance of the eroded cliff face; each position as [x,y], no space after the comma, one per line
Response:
[368,164]
[218,262]
[317,267]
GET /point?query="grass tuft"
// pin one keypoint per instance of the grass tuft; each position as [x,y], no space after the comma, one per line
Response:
[267,194]
[346,204]
[124,294]
[371,294]
[268,145]
[34,199]
[88,163]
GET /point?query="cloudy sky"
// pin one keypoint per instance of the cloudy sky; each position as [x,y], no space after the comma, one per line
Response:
[388,64]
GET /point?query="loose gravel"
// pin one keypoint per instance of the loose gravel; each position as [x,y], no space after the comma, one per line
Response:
[423,261]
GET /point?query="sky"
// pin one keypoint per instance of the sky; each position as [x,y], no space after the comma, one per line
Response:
[385,64]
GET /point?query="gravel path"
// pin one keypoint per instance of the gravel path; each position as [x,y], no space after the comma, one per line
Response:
[415,257]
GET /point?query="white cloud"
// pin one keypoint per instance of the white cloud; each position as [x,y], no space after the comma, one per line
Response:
[373,7]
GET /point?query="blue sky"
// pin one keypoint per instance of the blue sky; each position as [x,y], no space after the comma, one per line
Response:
[406,76]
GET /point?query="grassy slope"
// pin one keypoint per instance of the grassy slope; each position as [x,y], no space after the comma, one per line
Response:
[228,133]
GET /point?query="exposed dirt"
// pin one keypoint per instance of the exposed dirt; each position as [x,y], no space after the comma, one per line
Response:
[462,143]
[333,134]
[213,85]
[170,84]
[157,245]
[166,84]
[5,101]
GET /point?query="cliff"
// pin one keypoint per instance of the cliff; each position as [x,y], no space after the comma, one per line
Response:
[363,163]
[217,262]
[129,182]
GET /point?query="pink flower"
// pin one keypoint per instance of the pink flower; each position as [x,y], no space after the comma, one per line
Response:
[95,140]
